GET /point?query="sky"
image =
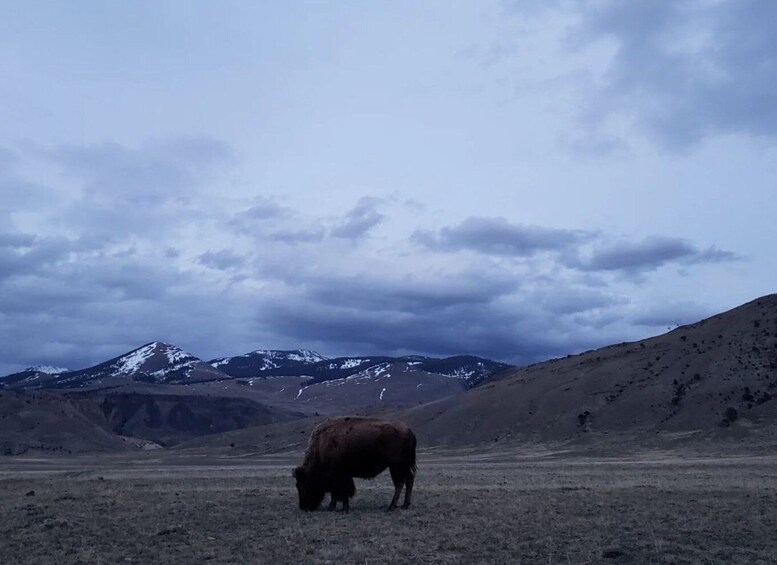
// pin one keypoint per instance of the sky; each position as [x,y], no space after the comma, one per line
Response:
[519,180]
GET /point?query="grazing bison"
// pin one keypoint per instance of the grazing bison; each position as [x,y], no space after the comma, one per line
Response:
[344,448]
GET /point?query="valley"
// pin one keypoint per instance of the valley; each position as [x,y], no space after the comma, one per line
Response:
[516,506]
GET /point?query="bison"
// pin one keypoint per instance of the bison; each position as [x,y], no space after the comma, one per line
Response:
[343,448]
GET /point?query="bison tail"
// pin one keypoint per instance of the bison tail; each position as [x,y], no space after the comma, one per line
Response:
[411,454]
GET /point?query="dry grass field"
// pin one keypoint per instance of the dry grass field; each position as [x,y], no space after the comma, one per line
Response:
[468,508]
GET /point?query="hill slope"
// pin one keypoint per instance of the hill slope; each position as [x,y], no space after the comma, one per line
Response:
[715,376]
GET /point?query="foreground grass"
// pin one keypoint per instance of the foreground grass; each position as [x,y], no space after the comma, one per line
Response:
[497,510]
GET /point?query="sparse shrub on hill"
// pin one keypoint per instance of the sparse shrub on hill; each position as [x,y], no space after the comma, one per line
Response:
[730,415]
[584,420]
[679,392]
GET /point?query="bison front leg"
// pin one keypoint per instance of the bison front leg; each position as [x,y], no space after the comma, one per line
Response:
[332,503]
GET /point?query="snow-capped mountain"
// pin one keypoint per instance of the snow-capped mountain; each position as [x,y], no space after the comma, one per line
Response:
[32,376]
[469,369]
[155,362]
[353,383]
[162,363]
[161,393]
[271,363]
[268,362]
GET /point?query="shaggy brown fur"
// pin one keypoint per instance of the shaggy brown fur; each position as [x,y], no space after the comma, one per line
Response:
[343,448]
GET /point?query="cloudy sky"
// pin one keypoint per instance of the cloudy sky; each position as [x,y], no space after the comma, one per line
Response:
[518,180]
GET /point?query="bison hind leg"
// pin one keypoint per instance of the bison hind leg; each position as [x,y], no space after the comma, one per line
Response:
[408,491]
[398,477]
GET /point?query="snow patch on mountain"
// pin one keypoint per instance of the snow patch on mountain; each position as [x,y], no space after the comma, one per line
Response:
[132,362]
[371,373]
[464,372]
[348,364]
[47,369]
[305,356]
[270,359]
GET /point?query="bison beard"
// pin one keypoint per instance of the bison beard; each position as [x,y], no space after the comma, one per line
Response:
[344,448]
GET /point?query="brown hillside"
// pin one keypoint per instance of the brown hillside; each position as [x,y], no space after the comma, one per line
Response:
[49,423]
[710,378]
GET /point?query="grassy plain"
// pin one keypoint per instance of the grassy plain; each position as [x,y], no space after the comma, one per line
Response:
[468,508]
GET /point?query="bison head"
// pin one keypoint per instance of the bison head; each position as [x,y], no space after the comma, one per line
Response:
[311,491]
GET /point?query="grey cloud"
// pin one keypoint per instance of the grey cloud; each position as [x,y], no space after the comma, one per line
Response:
[267,220]
[16,240]
[155,171]
[222,260]
[361,219]
[295,236]
[567,300]
[136,191]
[647,255]
[22,253]
[497,236]
[687,70]
[261,210]
[17,193]
[714,255]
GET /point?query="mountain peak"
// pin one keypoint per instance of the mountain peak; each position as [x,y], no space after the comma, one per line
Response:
[155,358]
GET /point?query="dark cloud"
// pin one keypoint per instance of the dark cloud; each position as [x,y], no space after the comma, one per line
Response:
[497,236]
[22,253]
[647,255]
[687,70]
[482,329]
[478,310]
[98,305]
[360,220]
[410,294]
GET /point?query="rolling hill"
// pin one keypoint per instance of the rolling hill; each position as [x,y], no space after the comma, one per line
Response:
[717,376]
